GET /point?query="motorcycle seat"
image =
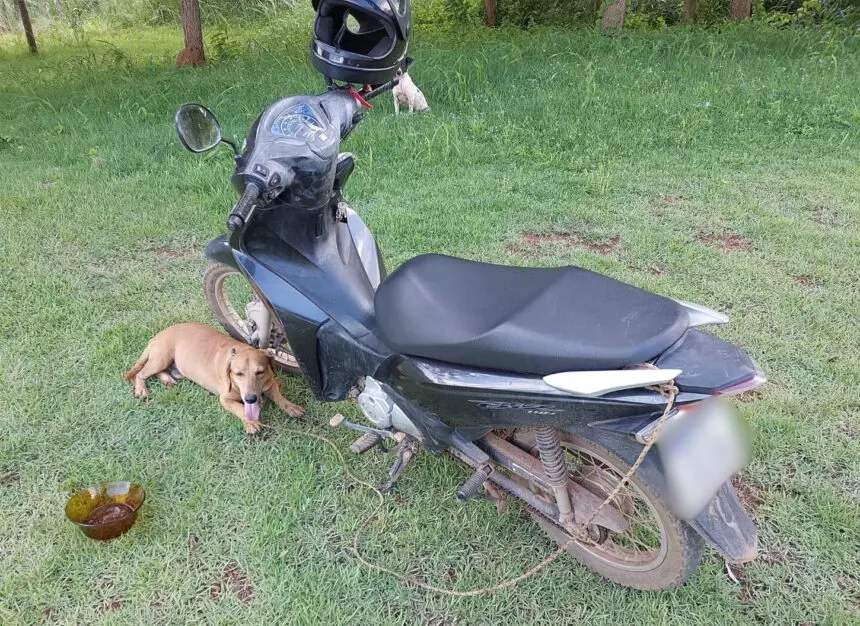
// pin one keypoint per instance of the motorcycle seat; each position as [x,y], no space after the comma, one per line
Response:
[519,319]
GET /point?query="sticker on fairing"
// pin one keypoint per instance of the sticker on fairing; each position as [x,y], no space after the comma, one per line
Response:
[299,122]
[528,407]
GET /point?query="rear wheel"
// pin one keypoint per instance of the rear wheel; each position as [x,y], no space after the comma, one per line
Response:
[656,551]
[228,294]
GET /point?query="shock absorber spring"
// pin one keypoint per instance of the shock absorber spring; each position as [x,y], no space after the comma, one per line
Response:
[551,455]
[555,469]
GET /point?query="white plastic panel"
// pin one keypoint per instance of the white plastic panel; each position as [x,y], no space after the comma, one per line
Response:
[593,384]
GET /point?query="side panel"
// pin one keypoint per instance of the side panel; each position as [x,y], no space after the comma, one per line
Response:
[301,317]
[308,267]
[345,359]
[317,256]
[465,398]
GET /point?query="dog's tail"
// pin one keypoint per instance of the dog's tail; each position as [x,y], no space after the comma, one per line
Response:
[139,365]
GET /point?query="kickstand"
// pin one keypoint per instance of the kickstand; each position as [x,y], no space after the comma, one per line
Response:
[495,496]
[405,450]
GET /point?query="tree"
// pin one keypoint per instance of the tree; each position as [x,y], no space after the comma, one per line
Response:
[741,9]
[28,27]
[613,16]
[688,13]
[193,52]
[490,9]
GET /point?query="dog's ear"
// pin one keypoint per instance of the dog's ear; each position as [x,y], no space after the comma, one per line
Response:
[227,369]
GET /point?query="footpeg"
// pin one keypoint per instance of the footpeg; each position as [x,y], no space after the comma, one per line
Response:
[471,487]
[365,443]
[495,496]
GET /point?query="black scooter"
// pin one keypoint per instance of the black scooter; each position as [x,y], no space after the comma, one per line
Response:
[541,380]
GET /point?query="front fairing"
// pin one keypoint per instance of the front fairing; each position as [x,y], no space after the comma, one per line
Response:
[292,149]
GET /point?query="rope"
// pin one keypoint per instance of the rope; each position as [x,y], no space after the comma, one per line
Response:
[669,390]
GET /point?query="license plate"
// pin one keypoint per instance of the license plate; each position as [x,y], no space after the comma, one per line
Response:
[700,449]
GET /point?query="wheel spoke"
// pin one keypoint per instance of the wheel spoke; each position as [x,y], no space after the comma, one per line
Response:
[642,539]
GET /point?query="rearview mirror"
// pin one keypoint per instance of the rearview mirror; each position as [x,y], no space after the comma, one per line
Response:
[197,127]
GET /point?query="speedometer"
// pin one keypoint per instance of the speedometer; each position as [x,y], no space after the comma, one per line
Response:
[299,122]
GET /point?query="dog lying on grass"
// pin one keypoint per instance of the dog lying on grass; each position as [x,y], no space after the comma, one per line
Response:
[235,372]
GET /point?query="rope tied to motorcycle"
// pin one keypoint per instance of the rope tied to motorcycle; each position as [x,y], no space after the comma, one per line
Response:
[667,390]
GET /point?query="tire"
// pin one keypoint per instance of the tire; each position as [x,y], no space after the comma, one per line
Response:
[680,549]
[214,286]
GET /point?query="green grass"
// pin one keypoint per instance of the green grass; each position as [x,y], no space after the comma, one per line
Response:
[670,141]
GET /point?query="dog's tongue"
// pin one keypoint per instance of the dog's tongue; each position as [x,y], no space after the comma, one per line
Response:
[252,411]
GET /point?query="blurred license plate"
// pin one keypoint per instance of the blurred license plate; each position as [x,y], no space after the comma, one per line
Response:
[700,449]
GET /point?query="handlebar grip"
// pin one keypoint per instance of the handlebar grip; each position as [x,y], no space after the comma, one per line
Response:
[243,208]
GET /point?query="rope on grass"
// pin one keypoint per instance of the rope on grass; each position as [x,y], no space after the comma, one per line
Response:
[668,390]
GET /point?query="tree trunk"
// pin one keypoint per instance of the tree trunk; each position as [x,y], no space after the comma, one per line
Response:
[193,52]
[613,17]
[741,9]
[28,27]
[688,13]
[490,9]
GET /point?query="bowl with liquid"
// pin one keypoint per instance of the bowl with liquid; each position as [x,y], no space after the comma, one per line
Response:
[107,510]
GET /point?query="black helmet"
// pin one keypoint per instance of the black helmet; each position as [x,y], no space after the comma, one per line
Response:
[366,49]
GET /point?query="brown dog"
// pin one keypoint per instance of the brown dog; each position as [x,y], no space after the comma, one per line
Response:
[235,372]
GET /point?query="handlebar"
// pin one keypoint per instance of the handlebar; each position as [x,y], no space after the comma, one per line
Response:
[343,107]
[243,208]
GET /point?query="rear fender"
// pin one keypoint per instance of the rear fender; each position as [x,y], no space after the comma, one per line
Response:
[727,526]
[723,523]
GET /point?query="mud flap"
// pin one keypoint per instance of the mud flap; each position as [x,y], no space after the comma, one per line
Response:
[219,250]
[727,526]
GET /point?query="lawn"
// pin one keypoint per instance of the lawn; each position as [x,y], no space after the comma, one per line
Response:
[718,166]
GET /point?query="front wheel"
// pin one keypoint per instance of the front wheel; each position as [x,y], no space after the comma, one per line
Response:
[228,295]
[657,551]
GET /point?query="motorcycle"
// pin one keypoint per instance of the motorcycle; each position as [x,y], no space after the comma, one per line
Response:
[541,381]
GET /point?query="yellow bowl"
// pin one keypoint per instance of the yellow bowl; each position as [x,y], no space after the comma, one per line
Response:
[106,511]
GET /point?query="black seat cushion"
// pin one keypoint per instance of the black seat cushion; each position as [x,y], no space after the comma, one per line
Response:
[519,319]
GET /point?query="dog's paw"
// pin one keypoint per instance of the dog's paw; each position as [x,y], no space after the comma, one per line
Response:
[252,427]
[294,410]
[141,394]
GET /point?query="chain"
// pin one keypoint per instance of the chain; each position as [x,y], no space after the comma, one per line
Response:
[668,390]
